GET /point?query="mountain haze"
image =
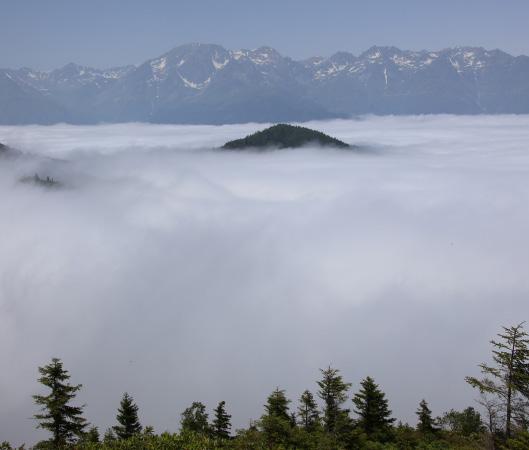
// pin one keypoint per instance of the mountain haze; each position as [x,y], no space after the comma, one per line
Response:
[199,83]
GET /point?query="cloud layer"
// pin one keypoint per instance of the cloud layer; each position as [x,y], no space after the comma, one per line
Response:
[177,272]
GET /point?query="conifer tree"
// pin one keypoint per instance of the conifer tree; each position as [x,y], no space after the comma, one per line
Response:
[91,436]
[195,419]
[276,423]
[308,414]
[277,404]
[148,430]
[426,423]
[333,392]
[372,407]
[509,377]
[63,420]
[109,436]
[127,417]
[221,423]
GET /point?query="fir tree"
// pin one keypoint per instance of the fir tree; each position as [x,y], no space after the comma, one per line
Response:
[91,436]
[221,423]
[372,407]
[127,417]
[195,419]
[64,421]
[277,404]
[276,423]
[308,414]
[509,377]
[333,392]
[426,423]
[109,436]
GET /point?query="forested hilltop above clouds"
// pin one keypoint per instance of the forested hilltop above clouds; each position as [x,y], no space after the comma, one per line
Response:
[199,83]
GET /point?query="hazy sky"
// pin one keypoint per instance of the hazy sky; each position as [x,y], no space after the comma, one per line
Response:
[101,33]
[178,273]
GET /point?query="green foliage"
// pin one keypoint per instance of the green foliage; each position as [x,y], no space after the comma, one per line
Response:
[426,423]
[508,379]
[221,424]
[276,423]
[195,419]
[333,392]
[63,420]
[148,431]
[466,422]
[6,445]
[308,414]
[127,418]
[92,435]
[284,136]
[277,405]
[372,407]
[519,442]
[109,436]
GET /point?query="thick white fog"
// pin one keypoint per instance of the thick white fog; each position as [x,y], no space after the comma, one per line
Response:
[177,272]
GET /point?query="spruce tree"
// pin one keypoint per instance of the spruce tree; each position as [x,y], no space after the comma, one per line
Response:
[109,436]
[372,407]
[91,436]
[426,423]
[333,392]
[508,379]
[308,414]
[221,423]
[277,404]
[195,419]
[276,423]
[63,420]
[127,417]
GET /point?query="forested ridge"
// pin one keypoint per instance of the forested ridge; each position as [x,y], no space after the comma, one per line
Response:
[332,417]
[284,136]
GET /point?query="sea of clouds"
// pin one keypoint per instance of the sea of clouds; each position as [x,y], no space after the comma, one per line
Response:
[178,272]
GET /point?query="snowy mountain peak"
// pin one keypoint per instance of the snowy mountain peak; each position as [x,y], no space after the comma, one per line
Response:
[206,83]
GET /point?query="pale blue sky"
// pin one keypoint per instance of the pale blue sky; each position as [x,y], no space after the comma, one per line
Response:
[50,33]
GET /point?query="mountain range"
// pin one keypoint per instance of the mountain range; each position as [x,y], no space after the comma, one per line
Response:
[205,83]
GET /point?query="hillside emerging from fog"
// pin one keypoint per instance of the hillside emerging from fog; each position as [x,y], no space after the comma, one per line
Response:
[208,84]
[284,136]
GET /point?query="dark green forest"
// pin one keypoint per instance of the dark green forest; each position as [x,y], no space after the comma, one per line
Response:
[284,136]
[332,417]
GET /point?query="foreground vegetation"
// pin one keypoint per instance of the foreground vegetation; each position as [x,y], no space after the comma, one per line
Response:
[338,422]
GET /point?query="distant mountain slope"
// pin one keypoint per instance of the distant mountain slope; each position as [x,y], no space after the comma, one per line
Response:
[284,136]
[199,83]
[21,104]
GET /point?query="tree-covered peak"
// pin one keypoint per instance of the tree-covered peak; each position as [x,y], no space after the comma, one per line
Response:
[285,136]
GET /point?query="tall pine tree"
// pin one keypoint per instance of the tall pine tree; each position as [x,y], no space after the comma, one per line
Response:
[221,423]
[276,423]
[372,407]
[333,392]
[425,424]
[308,414]
[127,417]
[63,420]
[509,377]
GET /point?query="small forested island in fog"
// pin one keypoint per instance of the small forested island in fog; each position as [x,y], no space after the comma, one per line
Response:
[37,180]
[285,136]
